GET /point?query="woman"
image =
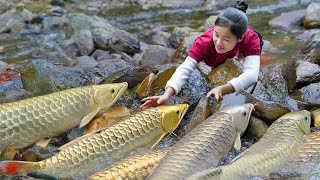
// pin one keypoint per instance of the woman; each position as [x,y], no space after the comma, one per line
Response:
[230,36]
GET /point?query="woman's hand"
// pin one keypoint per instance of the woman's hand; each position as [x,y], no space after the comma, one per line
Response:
[219,91]
[157,100]
[216,92]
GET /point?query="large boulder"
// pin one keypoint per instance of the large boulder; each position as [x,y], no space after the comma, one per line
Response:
[43,77]
[288,20]
[105,36]
[312,16]
[307,73]
[156,55]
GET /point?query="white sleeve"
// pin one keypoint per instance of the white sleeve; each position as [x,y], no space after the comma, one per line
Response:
[249,76]
[182,73]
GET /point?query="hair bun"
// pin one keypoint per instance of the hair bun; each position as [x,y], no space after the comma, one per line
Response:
[242,6]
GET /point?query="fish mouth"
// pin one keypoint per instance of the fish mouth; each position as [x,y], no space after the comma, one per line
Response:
[121,91]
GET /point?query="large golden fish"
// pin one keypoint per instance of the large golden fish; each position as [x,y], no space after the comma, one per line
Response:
[136,167]
[94,151]
[280,140]
[304,163]
[27,121]
[205,145]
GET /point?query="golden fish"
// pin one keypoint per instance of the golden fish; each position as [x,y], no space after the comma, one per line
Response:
[205,145]
[87,154]
[136,167]
[263,157]
[27,121]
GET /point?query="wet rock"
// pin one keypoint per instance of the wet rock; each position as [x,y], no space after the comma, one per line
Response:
[315,115]
[156,55]
[273,84]
[54,22]
[185,46]
[155,85]
[85,62]
[288,20]
[196,87]
[223,73]
[307,73]
[177,36]
[57,2]
[80,44]
[100,55]
[161,38]
[201,112]
[119,41]
[268,47]
[10,85]
[6,5]
[308,95]
[306,35]
[312,16]
[14,95]
[257,127]
[10,21]
[105,36]
[143,88]
[311,52]
[266,110]
[133,75]
[112,116]
[112,65]
[42,77]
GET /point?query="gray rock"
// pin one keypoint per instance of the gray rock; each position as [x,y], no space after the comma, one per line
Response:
[311,52]
[288,20]
[80,44]
[306,35]
[14,95]
[312,16]
[42,77]
[307,73]
[85,62]
[10,21]
[156,55]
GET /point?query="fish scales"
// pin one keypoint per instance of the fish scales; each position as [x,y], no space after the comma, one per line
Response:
[203,147]
[134,167]
[30,120]
[279,141]
[22,128]
[96,150]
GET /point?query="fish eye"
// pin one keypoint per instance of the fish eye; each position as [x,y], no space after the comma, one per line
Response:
[112,91]
[178,112]
[244,113]
[305,118]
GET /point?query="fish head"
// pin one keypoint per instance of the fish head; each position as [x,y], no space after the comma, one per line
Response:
[301,118]
[171,116]
[240,115]
[107,94]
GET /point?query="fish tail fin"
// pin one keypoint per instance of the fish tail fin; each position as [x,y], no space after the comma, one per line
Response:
[16,167]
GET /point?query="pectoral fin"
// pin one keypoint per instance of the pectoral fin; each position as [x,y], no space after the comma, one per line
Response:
[44,143]
[237,143]
[89,117]
[9,153]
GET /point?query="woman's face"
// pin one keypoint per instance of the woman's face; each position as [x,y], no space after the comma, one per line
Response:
[223,39]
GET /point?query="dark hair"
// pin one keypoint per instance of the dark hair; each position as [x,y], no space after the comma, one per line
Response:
[242,6]
[235,19]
